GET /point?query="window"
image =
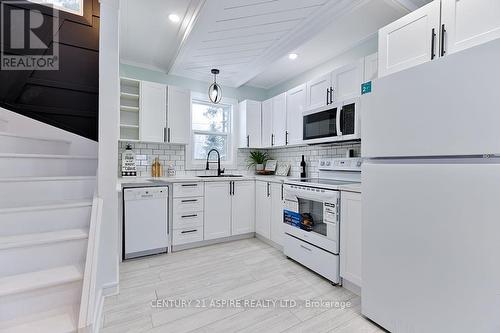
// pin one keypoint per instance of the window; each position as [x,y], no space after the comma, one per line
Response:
[211,128]
[70,6]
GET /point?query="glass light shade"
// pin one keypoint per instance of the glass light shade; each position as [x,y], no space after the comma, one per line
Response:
[215,93]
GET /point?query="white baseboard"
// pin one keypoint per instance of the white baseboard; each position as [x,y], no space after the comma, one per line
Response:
[354,288]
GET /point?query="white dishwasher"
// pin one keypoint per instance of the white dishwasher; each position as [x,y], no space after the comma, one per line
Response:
[145,223]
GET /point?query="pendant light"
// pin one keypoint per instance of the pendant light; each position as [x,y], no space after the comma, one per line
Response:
[215,90]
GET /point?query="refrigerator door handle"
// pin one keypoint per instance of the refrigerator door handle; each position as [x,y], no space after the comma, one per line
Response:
[337,122]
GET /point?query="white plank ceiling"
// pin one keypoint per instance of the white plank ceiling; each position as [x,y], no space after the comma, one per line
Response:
[248,40]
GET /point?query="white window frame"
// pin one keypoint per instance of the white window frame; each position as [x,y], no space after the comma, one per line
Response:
[232,136]
[50,3]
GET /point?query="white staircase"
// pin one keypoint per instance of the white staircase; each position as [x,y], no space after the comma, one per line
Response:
[46,196]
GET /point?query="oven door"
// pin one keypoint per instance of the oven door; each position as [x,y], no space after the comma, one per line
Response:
[321,125]
[312,215]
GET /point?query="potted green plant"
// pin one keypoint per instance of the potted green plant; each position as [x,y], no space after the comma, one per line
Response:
[257,159]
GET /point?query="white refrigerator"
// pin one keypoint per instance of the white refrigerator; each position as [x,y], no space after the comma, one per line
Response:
[431,196]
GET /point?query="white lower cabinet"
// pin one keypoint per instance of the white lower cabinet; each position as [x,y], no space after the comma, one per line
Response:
[350,237]
[269,211]
[277,213]
[263,209]
[243,207]
[217,210]
[187,213]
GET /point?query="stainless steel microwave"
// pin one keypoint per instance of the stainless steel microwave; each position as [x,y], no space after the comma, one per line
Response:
[332,123]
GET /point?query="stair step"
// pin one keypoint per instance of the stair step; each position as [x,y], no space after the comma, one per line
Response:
[61,320]
[41,251]
[15,143]
[3,125]
[45,217]
[25,240]
[21,191]
[46,165]
[16,284]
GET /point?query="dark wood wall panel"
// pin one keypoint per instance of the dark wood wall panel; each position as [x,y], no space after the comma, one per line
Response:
[66,98]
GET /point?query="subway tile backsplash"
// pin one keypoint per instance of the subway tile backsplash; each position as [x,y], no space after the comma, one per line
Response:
[147,152]
[293,155]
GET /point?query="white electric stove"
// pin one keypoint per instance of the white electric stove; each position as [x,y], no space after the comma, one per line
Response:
[312,216]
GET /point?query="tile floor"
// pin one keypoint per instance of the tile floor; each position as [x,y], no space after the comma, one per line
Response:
[245,271]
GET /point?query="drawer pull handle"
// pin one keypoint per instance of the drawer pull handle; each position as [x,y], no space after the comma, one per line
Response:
[188,216]
[189,185]
[306,248]
[192,200]
[189,231]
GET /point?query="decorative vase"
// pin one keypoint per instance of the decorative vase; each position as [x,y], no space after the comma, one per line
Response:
[259,167]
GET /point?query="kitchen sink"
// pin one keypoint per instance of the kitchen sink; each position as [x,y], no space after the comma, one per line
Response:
[221,176]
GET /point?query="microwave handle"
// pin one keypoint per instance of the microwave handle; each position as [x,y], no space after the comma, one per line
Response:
[337,122]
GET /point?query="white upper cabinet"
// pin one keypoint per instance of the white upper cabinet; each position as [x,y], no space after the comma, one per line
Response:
[469,22]
[217,210]
[153,100]
[179,115]
[279,120]
[409,41]
[243,207]
[296,100]
[318,92]
[250,124]
[267,122]
[346,81]
[371,67]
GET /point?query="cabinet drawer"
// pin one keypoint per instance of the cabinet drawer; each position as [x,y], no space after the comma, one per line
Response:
[188,205]
[187,235]
[182,190]
[188,220]
[314,258]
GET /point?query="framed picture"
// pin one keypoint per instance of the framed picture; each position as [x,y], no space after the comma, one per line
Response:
[283,169]
[271,165]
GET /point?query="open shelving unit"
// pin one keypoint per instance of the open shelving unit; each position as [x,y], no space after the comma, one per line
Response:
[129,109]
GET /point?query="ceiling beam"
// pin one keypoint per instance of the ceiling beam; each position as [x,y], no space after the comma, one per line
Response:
[407,4]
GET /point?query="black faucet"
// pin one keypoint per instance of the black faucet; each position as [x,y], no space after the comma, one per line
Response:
[219,171]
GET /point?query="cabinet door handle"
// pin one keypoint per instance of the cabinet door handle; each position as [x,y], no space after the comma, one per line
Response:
[286,138]
[306,248]
[327,96]
[433,44]
[248,141]
[164,134]
[272,139]
[331,95]
[282,194]
[443,40]
[189,231]
[268,189]
[190,200]
[233,186]
[168,134]
[189,185]
[189,216]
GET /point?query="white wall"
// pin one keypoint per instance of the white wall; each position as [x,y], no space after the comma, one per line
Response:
[109,100]
[368,47]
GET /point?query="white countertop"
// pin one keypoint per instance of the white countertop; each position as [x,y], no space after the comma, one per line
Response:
[354,187]
[150,181]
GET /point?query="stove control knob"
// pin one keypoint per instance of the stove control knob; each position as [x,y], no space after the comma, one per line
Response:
[322,163]
[328,163]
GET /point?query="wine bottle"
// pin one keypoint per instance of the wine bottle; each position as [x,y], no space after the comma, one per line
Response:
[303,168]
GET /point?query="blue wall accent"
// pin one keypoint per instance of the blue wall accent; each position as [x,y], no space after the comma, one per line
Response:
[242,93]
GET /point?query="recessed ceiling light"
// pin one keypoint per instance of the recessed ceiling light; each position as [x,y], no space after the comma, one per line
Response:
[174,18]
[293,56]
